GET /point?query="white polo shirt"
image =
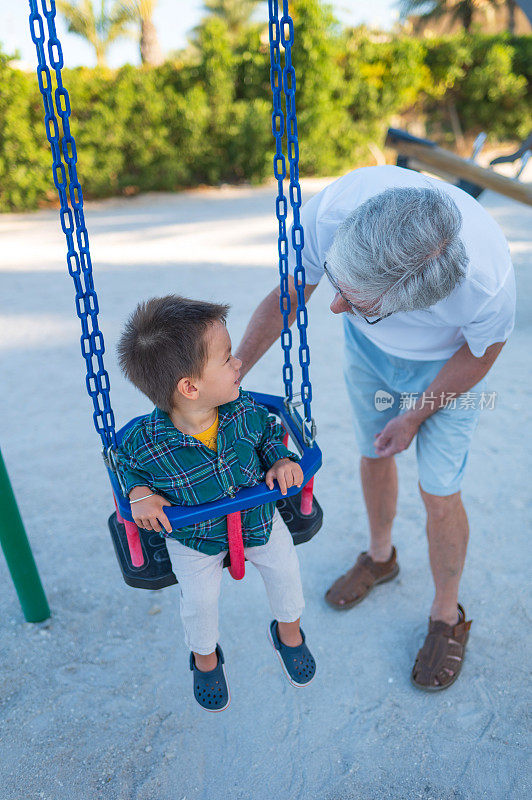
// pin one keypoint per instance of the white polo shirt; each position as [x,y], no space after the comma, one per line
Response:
[480,311]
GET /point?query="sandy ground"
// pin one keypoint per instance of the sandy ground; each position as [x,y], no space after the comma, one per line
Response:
[97,702]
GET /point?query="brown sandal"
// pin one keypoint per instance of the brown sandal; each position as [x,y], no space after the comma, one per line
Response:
[440,660]
[356,584]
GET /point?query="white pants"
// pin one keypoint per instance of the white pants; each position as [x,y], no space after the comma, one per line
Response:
[200,576]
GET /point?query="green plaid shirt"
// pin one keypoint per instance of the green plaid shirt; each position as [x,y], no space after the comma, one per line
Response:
[154,453]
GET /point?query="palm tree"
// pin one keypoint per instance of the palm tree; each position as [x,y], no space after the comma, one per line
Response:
[461,11]
[99,27]
[236,13]
[142,11]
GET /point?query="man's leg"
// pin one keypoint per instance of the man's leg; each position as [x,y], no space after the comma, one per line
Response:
[367,372]
[442,447]
[440,659]
[379,485]
[448,534]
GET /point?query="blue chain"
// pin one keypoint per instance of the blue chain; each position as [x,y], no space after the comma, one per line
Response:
[283,78]
[281,208]
[72,217]
[57,103]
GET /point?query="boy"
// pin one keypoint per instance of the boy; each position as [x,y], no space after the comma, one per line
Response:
[204,440]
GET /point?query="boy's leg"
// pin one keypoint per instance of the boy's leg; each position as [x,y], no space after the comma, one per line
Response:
[278,565]
[199,576]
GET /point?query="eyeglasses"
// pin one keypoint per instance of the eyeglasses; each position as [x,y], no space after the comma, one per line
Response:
[353,308]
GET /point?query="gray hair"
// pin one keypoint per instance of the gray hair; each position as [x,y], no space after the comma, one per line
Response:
[401,248]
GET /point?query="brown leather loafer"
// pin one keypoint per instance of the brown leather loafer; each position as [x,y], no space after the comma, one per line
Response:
[356,584]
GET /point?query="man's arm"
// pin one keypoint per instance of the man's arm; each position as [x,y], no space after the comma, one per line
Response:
[266,324]
[458,375]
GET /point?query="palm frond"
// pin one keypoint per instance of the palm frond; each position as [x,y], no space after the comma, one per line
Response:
[96,22]
[139,9]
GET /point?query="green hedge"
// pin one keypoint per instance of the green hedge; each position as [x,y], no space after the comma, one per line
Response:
[205,118]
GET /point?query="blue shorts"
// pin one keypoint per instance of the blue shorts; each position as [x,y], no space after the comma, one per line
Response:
[381,386]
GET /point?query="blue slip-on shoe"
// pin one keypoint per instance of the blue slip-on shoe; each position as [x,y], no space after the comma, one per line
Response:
[210,688]
[297,662]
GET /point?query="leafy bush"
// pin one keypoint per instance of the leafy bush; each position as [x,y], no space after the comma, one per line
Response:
[25,161]
[205,117]
[486,78]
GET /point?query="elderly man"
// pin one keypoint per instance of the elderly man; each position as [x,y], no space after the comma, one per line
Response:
[423,278]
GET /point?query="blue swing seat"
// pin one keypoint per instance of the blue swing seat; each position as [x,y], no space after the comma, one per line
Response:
[156,571]
[179,516]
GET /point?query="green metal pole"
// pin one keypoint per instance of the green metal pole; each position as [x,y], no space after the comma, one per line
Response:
[18,554]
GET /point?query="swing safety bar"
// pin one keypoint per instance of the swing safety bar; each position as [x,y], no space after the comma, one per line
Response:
[307,493]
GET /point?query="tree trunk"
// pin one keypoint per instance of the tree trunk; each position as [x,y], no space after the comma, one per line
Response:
[101,54]
[467,18]
[511,15]
[150,51]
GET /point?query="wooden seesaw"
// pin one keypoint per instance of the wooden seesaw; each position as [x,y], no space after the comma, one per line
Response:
[422,154]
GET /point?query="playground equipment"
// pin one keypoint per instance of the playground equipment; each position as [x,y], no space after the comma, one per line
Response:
[142,555]
[419,154]
[18,554]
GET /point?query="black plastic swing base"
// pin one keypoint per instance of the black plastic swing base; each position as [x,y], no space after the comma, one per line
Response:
[156,572]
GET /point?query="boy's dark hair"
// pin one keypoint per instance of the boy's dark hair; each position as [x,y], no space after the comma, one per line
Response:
[164,341]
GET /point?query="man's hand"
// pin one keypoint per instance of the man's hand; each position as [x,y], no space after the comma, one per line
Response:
[458,375]
[149,514]
[286,472]
[397,435]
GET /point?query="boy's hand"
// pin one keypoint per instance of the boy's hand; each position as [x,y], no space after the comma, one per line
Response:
[149,514]
[286,472]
